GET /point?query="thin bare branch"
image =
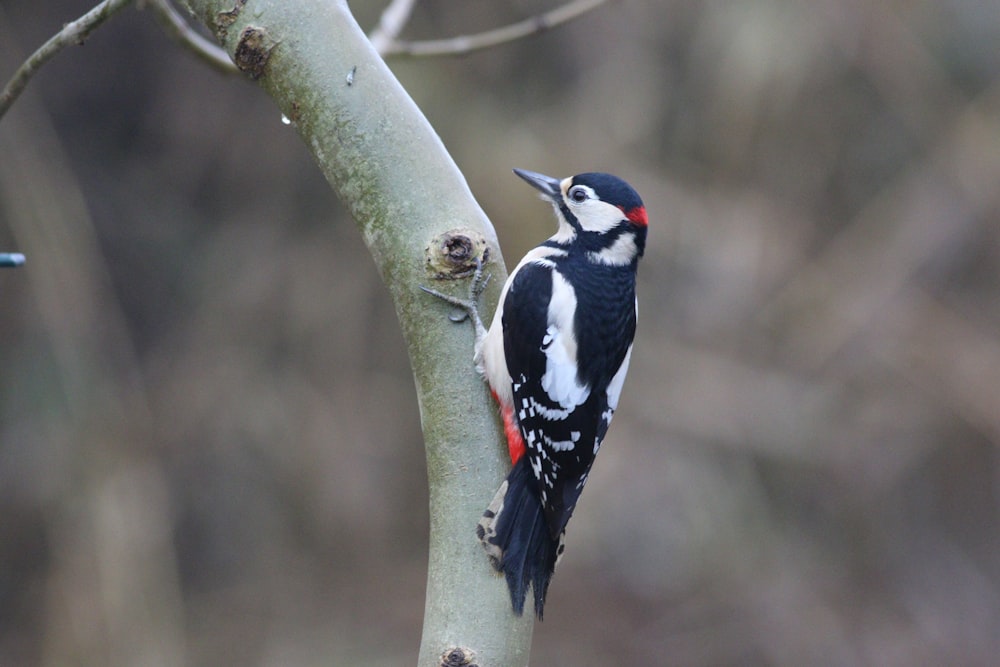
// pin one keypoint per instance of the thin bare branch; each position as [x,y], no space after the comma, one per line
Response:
[74,32]
[185,35]
[485,40]
[392,22]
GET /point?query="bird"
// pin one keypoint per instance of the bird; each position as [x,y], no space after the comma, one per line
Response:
[555,357]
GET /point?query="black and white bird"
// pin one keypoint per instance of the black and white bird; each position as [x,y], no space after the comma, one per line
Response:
[555,357]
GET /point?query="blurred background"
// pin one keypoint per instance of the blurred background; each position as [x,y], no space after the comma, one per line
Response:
[210,451]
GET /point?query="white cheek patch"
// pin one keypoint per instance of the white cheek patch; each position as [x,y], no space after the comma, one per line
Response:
[619,253]
[595,215]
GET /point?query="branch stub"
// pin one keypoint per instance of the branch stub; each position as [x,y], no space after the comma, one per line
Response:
[253,51]
[453,255]
[458,657]
[225,19]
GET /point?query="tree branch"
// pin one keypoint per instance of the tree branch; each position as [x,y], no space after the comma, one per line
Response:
[391,23]
[490,38]
[178,28]
[414,210]
[74,32]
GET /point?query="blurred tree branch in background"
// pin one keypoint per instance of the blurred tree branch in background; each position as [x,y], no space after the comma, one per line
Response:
[74,32]
[178,28]
[384,38]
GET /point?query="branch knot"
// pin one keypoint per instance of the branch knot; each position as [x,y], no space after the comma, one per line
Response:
[453,254]
[253,51]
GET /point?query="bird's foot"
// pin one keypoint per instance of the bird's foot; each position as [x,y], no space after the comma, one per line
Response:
[469,308]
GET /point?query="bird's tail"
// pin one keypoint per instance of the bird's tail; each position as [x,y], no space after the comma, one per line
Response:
[516,537]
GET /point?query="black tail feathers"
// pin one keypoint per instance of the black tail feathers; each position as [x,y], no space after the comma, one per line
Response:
[516,537]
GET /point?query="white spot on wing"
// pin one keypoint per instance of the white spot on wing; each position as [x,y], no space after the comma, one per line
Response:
[597,441]
[563,445]
[551,414]
[536,466]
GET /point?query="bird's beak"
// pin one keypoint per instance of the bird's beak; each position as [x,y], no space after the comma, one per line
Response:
[545,184]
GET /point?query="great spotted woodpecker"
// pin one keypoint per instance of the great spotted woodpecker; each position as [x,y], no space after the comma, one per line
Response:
[555,358]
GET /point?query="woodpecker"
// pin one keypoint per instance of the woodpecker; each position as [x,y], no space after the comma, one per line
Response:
[555,357]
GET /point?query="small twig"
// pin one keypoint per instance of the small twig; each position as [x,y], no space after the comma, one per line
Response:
[74,32]
[391,23]
[484,40]
[185,35]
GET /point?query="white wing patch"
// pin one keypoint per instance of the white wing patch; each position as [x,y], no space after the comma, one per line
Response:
[560,380]
[490,358]
[532,408]
[563,445]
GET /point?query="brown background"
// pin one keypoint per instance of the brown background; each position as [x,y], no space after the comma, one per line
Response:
[209,444]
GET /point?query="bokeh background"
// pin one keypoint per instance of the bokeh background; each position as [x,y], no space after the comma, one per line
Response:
[210,451]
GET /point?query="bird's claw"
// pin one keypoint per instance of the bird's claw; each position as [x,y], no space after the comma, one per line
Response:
[468,308]
[479,283]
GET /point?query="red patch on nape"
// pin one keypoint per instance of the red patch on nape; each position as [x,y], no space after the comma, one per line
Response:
[511,429]
[637,215]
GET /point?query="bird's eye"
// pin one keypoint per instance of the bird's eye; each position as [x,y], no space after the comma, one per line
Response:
[577,194]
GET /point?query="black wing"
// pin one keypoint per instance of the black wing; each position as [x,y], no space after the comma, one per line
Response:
[561,441]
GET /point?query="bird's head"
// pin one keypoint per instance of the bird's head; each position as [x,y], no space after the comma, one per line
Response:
[598,211]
